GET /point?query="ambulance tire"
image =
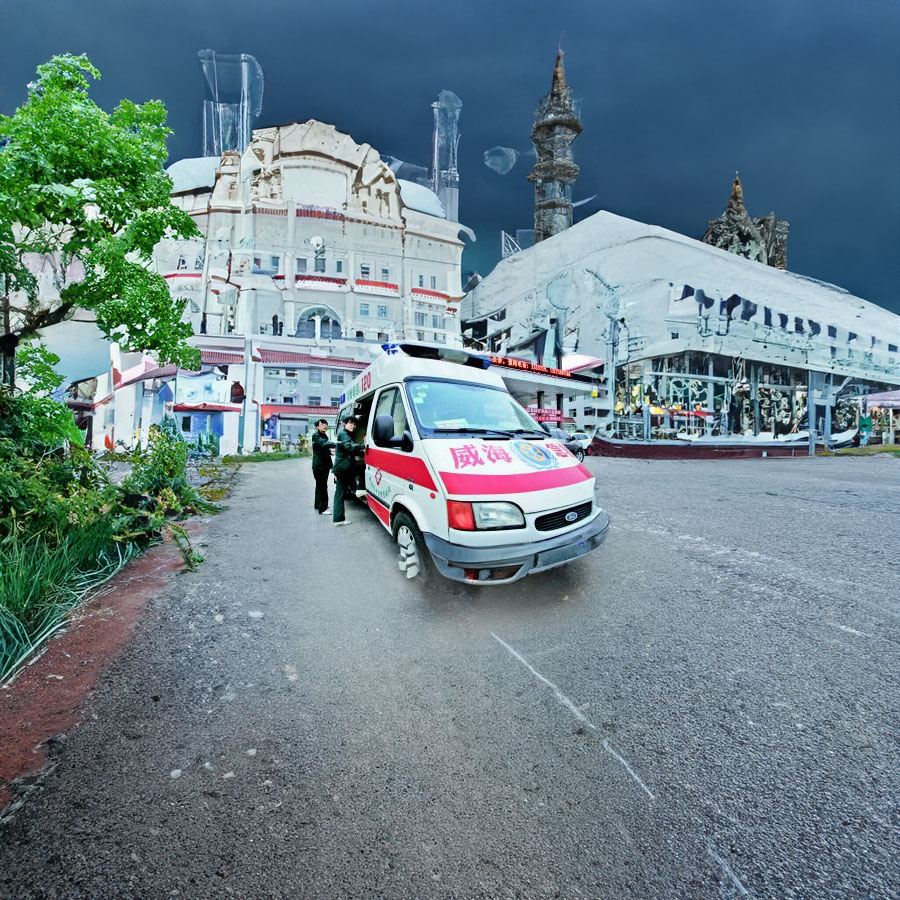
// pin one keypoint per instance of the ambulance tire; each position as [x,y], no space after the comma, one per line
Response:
[412,553]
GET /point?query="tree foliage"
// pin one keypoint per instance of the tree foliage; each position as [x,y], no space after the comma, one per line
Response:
[83,189]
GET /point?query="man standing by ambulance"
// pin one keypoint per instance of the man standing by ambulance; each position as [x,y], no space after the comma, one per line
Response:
[344,473]
[321,464]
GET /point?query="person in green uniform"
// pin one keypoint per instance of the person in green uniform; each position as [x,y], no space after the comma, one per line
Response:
[321,463]
[344,474]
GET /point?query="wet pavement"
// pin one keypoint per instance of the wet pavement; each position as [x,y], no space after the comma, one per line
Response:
[706,707]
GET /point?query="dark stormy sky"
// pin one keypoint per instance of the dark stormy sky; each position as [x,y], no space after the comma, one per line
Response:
[801,96]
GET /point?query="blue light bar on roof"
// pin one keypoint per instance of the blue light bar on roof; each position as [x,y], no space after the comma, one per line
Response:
[444,354]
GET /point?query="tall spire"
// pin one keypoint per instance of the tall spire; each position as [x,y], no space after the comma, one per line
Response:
[762,240]
[736,201]
[558,87]
[556,125]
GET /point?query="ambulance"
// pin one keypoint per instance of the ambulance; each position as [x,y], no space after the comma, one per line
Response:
[466,482]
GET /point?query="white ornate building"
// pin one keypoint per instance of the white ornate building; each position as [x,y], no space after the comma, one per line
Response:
[309,234]
[312,253]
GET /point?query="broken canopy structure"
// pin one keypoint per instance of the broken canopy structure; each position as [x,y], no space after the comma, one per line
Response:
[682,324]
[233,103]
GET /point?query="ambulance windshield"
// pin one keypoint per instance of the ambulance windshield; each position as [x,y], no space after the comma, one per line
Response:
[451,407]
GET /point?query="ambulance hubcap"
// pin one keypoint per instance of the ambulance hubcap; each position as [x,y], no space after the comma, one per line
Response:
[409,553]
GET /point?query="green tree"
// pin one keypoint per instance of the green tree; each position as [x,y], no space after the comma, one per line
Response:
[83,190]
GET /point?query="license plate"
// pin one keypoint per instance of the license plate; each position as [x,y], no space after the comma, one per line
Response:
[561,554]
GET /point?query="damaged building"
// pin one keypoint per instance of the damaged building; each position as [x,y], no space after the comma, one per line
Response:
[763,239]
[680,327]
[679,336]
[312,254]
[556,125]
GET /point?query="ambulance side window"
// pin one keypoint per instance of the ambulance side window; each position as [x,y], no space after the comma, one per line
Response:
[390,403]
[385,403]
[399,414]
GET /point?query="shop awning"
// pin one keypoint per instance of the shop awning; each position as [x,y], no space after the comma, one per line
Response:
[267,410]
[207,407]
[884,399]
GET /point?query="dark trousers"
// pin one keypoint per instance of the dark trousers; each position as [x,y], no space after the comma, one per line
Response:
[359,475]
[345,485]
[321,475]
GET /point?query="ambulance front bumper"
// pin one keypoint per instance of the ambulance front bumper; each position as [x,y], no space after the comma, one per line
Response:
[510,562]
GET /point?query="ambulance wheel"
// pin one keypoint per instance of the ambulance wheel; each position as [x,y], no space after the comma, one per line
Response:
[412,552]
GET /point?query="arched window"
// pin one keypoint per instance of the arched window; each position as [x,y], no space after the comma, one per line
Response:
[329,323]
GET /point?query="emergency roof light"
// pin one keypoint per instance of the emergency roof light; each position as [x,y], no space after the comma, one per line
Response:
[445,354]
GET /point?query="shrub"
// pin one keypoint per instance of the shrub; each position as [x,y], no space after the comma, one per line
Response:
[64,527]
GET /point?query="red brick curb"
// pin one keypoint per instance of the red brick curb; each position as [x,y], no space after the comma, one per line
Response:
[47,697]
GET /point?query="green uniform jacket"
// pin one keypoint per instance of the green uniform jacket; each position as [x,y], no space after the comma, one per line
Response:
[343,454]
[321,448]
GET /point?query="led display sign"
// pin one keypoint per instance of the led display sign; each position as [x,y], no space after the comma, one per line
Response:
[524,366]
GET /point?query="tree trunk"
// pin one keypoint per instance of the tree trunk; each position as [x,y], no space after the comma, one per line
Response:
[8,342]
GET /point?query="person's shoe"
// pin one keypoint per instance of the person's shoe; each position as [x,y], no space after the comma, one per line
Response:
[361,495]
[342,522]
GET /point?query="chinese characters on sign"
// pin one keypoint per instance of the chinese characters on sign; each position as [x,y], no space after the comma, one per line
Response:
[511,363]
[558,449]
[544,414]
[471,455]
[466,455]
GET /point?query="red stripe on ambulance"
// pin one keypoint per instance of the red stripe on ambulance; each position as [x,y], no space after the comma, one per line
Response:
[475,485]
[379,510]
[410,468]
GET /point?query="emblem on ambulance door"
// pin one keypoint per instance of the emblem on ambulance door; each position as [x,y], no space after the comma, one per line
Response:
[534,455]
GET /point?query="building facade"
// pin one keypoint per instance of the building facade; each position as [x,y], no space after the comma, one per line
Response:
[677,324]
[310,235]
[313,254]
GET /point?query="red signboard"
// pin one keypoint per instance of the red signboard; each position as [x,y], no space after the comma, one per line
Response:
[523,365]
[540,414]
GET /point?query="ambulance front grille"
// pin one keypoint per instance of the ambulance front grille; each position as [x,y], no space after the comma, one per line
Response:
[554,520]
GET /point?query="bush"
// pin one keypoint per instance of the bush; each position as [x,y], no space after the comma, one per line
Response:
[64,527]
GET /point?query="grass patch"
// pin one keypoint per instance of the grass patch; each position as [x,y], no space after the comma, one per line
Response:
[274,456]
[211,478]
[889,449]
[40,584]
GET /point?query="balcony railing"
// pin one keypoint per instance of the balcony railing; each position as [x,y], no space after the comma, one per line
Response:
[385,288]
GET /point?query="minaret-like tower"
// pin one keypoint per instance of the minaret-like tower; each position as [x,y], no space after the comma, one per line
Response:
[444,173]
[556,125]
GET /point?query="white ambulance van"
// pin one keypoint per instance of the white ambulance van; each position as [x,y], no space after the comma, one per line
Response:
[462,477]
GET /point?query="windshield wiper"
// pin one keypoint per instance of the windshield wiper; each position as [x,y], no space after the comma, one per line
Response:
[506,433]
[494,431]
[534,431]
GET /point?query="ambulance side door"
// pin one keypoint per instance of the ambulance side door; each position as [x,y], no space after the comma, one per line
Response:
[385,466]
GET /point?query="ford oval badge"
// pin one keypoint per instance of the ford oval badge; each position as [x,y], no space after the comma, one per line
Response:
[571,516]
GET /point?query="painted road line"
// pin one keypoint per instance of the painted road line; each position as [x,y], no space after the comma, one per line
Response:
[727,870]
[565,701]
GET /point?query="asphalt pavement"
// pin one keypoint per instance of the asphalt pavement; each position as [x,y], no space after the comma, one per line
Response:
[705,707]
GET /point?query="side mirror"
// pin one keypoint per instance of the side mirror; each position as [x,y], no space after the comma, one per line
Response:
[383,435]
[383,431]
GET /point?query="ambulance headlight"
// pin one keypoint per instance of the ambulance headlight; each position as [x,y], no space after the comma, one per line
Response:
[497,515]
